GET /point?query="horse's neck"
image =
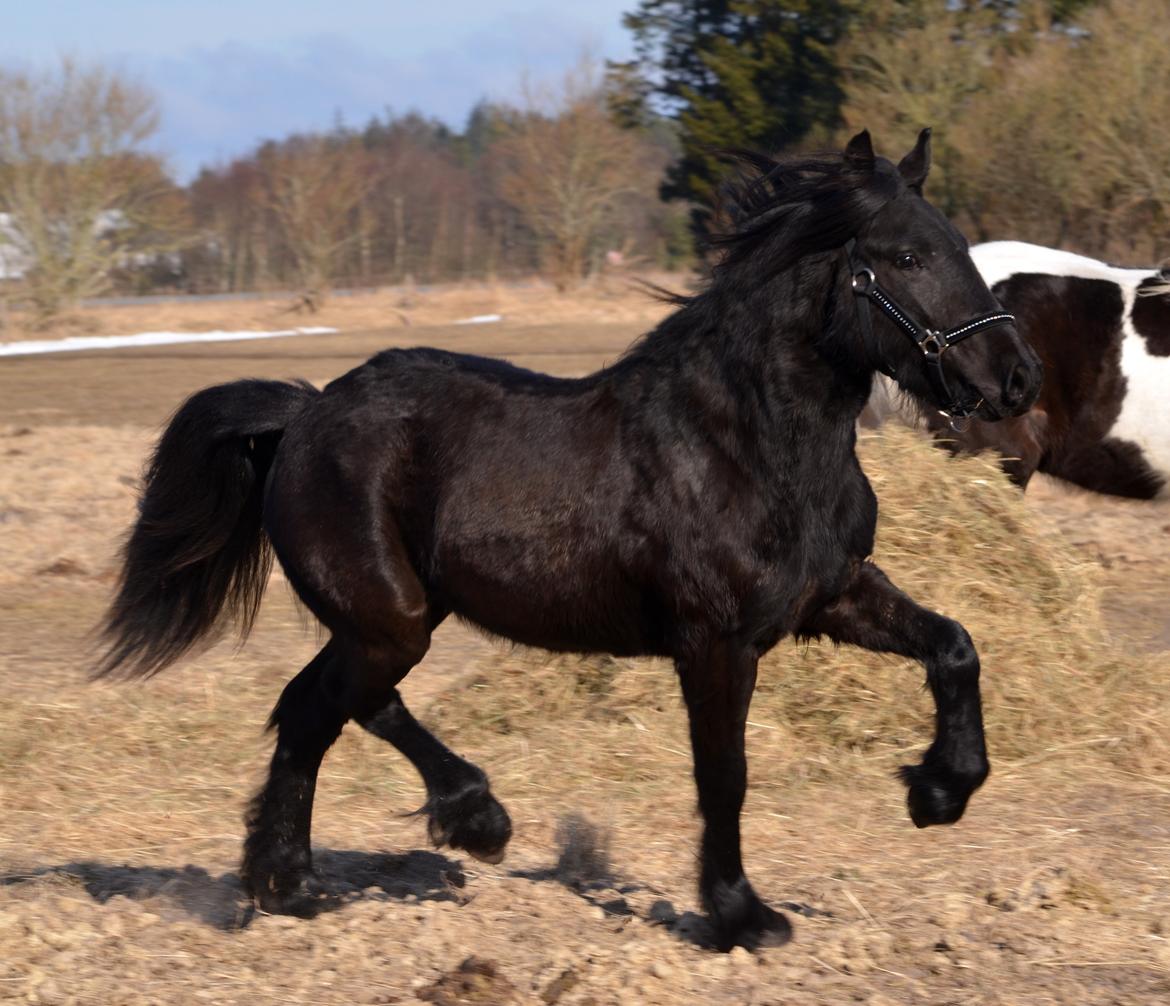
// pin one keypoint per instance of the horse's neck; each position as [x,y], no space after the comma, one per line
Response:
[773,347]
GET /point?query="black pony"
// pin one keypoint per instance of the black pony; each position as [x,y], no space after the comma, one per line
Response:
[700,499]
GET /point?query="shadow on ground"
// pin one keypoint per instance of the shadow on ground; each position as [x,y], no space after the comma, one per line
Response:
[346,876]
[584,866]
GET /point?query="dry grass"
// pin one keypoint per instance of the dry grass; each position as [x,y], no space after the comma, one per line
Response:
[616,298]
[122,804]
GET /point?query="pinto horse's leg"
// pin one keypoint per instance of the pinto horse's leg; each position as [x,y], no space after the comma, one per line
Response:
[1112,466]
[460,808]
[874,614]
[717,685]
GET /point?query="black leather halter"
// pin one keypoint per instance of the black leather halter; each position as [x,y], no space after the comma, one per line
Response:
[931,342]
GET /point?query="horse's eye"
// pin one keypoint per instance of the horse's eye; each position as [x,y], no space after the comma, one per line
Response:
[906,261]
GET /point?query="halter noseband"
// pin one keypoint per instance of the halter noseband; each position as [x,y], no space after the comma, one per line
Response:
[931,342]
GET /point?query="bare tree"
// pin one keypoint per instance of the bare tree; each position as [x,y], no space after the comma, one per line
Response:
[566,166]
[79,196]
[1044,132]
[915,63]
[314,187]
[1115,83]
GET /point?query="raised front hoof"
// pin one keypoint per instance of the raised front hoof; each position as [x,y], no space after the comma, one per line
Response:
[740,919]
[937,795]
[472,820]
[300,894]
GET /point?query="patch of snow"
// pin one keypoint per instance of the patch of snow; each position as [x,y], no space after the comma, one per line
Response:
[480,319]
[75,343]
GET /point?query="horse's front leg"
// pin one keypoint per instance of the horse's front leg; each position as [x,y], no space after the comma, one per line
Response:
[874,614]
[717,684]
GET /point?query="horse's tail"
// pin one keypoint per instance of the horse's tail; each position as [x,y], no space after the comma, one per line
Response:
[198,555]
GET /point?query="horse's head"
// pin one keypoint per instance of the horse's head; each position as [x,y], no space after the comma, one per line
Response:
[931,321]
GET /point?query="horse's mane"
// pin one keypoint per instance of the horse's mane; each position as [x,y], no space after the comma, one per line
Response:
[777,211]
[796,206]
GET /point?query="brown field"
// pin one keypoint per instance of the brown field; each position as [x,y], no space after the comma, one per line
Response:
[121,804]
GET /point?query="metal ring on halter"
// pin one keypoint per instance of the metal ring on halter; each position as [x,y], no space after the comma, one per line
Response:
[933,343]
[960,424]
[863,279]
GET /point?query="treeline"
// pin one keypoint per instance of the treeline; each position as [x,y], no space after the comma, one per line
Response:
[553,189]
[550,185]
[1051,125]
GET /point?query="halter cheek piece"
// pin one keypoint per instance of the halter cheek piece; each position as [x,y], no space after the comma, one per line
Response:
[931,342]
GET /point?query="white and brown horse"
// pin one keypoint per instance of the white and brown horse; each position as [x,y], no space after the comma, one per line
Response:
[1102,420]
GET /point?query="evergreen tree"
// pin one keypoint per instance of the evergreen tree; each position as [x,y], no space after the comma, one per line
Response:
[738,73]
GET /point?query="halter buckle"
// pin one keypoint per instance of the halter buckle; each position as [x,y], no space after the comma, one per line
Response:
[863,279]
[932,343]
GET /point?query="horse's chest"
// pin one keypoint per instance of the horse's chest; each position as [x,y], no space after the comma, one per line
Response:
[812,557]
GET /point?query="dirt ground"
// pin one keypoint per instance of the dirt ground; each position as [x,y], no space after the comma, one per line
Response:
[121,804]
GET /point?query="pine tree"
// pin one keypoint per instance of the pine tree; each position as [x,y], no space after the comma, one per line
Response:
[739,73]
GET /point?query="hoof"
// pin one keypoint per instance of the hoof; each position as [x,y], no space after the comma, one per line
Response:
[300,894]
[937,795]
[472,820]
[740,919]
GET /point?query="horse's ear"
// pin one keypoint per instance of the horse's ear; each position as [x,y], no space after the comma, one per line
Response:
[915,166]
[859,152]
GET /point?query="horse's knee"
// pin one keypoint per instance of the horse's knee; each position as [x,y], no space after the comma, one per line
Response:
[953,662]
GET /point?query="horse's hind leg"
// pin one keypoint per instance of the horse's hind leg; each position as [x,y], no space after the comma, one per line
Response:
[874,614]
[277,868]
[361,586]
[381,619]
[460,808]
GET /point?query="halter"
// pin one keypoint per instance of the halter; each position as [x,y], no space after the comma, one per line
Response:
[931,342]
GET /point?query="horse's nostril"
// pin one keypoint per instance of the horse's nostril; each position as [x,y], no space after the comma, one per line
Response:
[1017,385]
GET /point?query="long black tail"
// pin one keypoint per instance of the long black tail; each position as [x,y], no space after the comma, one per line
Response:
[198,555]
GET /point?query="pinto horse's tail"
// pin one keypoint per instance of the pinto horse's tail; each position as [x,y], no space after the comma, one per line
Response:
[198,555]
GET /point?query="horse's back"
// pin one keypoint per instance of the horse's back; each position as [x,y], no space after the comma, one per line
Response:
[506,489]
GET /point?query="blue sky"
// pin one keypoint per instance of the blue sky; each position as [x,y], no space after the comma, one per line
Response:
[231,72]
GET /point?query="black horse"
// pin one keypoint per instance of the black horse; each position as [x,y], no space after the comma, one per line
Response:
[698,499]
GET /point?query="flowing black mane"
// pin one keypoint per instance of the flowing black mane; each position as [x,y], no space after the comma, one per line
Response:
[774,211]
[782,209]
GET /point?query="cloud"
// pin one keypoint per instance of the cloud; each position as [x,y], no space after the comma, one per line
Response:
[218,101]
